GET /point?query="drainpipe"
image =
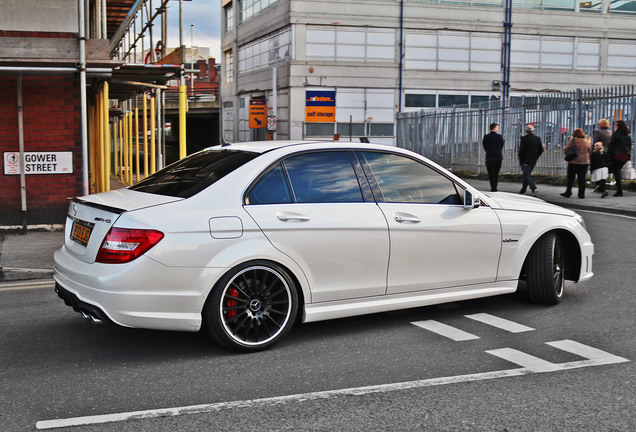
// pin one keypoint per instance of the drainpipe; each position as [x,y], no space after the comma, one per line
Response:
[401,54]
[506,62]
[83,115]
[22,167]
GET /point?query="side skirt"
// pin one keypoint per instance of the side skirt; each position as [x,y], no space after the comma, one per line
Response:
[369,305]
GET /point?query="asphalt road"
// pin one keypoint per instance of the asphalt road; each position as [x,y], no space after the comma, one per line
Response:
[54,366]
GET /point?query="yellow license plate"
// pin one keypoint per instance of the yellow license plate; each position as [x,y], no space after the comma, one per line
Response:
[81,233]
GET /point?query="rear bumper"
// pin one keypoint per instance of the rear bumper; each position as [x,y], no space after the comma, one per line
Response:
[140,294]
[86,309]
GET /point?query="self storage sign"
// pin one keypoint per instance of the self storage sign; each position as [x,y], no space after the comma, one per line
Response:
[38,163]
[320,106]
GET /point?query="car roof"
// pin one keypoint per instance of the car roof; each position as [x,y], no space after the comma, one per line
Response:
[266,146]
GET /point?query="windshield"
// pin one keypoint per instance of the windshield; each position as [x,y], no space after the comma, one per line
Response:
[191,175]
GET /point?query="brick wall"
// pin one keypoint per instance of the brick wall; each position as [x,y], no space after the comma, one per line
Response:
[51,123]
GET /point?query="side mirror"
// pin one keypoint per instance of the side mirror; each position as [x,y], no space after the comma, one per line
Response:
[471,200]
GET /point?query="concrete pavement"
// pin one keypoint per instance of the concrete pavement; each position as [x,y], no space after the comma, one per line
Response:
[30,255]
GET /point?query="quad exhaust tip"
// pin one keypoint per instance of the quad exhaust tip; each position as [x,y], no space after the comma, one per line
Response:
[91,318]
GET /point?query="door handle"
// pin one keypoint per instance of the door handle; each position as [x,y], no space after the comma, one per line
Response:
[291,217]
[405,217]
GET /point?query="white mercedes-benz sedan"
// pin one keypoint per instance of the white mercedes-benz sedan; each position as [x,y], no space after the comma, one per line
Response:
[245,240]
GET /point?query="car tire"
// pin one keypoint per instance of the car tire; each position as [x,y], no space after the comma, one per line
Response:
[545,271]
[252,307]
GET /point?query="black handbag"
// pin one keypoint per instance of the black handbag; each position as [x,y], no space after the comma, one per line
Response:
[571,153]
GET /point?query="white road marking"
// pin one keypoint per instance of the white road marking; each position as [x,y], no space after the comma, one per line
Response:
[594,354]
[445,330]
[536,365]
[504,324]
[24,285]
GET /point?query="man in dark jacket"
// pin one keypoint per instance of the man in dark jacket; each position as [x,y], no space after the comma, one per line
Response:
[493,144]
[530,149]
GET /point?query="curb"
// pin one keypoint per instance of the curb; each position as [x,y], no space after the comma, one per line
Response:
[10,274]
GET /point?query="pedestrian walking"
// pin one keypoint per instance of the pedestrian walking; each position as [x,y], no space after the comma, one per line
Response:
[618,151]
[577,167]
[530,149]
[603,135]
[598,166]
[493,144]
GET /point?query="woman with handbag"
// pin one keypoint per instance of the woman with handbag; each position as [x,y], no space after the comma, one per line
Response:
[618,151]
[577,165]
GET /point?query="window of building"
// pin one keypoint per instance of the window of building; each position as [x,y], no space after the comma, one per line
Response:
[229,66]
[350,43]
[446,100]
[249,8]
[351,129]
[229,17]
[381,129]
[453,50]
[621,55]
[265,52]
[553,52]
[319,129]
[623,6]
[420,100]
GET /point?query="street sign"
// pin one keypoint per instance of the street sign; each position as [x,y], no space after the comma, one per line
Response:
[39,163]
[258,113]
[271,123]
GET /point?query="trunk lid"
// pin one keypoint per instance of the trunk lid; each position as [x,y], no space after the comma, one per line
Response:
[91,217]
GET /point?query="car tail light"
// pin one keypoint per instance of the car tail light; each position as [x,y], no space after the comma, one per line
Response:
[123,245]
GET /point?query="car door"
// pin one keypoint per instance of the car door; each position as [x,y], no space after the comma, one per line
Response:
[315,208]
[435,241]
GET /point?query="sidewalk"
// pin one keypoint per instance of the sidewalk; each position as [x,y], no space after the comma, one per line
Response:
[30,256]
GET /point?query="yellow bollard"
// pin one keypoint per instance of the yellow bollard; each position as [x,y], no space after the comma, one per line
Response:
[106,126]
[115,144]
[145,124]
[120,168]
[129,155]
[153,151]
[137,168]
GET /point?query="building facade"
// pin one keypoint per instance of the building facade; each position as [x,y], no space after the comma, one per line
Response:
[345,69]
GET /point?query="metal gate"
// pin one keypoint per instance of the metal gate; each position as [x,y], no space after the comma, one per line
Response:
[452,136]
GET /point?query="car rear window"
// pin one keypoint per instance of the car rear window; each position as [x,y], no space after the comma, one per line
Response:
[191,175]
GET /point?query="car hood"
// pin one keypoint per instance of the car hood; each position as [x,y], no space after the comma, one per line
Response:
[517,202]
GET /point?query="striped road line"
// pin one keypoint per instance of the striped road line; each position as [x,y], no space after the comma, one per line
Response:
[501,323]
[530,365]
[445,330]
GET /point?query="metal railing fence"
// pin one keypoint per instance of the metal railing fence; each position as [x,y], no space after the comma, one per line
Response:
[453,136]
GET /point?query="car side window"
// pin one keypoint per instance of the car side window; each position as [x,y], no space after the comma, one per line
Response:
[404,180]
[270,189]
[323,177]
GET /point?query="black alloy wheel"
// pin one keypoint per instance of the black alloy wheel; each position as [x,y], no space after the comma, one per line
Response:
[252,307]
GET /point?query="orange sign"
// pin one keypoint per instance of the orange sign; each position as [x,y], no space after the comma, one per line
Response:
[258,113]
[320,106]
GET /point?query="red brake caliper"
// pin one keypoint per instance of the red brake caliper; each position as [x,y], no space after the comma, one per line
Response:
[233,292]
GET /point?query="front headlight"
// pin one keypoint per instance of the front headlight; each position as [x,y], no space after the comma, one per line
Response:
[580,219]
